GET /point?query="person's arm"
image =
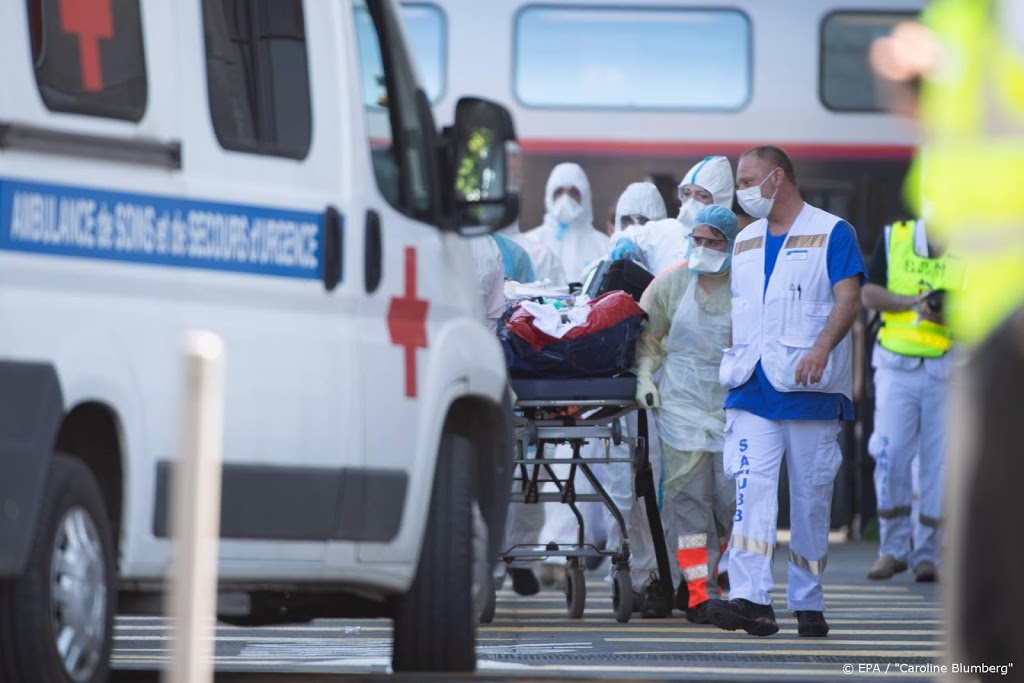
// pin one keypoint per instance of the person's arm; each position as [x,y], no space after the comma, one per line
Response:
[875,294]
[650,351]
[847,307]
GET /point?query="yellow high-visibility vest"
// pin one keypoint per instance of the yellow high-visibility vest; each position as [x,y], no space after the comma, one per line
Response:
[903,332]
[971,171]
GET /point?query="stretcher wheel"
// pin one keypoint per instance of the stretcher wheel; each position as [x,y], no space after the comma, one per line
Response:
[575,592]
[490,602]
[616,433]
[622,595]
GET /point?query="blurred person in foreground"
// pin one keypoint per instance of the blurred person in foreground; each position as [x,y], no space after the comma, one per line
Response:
[960,73]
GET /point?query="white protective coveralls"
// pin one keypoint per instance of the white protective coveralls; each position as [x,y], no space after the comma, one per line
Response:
[575,242]
[685,335]
[638,199]
[661,244]
[490,273]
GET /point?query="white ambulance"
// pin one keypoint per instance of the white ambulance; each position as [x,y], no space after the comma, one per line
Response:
[268,170]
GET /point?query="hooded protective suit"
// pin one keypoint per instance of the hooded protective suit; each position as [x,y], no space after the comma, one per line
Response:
[688,327]
[639,199]
[660,245]
[568,230]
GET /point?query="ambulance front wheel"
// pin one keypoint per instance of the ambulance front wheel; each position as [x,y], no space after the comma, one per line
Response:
[622,595]
[435,621]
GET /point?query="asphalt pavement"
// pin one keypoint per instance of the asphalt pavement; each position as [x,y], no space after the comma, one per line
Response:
[879,629]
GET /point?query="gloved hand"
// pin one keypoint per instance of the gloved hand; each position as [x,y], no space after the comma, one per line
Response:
[560,232]
[624,248]
[647,396]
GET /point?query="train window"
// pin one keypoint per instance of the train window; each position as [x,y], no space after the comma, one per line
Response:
[88,57]
[427,31]
[624,58]
[845,79]
[258,76]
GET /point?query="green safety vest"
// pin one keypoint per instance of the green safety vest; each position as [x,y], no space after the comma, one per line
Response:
[970,172]
[903,332]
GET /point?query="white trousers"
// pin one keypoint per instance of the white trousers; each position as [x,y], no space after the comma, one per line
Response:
[910,422]
[754,448]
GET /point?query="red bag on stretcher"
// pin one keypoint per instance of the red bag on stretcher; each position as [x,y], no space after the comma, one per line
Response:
[595,340]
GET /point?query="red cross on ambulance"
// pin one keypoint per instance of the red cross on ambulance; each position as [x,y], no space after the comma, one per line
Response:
[407,322]
[92,21]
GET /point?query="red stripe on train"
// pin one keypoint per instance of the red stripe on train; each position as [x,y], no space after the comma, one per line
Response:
[798,150]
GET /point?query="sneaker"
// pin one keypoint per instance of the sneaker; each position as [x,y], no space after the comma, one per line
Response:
[682,596]
[698,614]
[885,566]
[655,605]
[757,620]
[524,582]
[811,624]
[925,572]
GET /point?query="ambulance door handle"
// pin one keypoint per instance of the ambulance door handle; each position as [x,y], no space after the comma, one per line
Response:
[333,256]
[373,266]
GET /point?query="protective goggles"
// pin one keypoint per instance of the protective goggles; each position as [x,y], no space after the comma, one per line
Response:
[633,219]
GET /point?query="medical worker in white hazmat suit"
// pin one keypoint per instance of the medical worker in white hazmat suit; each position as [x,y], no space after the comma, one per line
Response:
[659,245]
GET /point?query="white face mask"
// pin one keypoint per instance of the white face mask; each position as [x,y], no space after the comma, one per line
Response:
[752,201]
[566,210]
[707,261]
[688,212]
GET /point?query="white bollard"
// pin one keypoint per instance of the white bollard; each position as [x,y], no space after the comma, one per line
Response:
[196,512]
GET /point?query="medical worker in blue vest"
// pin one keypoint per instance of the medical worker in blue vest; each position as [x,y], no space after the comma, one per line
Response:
[796,279]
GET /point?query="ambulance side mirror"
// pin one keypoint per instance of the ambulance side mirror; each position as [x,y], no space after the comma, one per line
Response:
[488,166]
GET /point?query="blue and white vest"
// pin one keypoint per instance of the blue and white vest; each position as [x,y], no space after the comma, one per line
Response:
[779,326]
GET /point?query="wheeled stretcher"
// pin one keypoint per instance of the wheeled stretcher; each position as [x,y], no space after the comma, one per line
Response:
[549,412]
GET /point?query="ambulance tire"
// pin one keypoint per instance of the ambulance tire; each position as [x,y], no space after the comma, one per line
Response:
[435,622]
[73,519]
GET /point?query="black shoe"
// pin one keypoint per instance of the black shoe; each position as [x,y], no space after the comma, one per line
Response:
[698,614]
[524,582]
[656,604]
[811,624]
[757,620]
[682,596]
[723,581]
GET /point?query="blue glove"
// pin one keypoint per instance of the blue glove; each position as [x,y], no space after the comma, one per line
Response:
[560,233]
[624,248]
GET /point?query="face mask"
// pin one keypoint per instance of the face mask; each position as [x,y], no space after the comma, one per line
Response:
[752,201]
[688,212]
[566,210]
[705,261]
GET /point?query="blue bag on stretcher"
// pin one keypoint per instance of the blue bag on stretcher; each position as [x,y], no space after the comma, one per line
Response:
[594,339]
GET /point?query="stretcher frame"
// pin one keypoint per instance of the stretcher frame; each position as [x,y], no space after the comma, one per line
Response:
[574,412]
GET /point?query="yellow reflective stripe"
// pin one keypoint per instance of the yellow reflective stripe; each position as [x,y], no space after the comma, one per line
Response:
[753,545]
[746,245]
[816,567]
[806,241]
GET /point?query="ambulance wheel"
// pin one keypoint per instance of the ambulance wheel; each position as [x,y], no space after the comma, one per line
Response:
[435,622]
[622,595]
[57,618]
[575,592]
